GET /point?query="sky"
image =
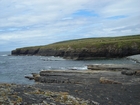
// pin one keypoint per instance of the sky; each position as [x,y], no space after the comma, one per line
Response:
[40,22]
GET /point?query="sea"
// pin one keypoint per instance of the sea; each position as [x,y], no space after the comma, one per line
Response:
[13,69]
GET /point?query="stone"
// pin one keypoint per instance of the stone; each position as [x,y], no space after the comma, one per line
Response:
[29,77]
[128,72]
[95,103]
[115,67]
[104,80]
[138,73]
[37,78]
[35,74]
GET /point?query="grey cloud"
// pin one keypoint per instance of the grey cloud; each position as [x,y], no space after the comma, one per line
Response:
[47,21]
[132,28]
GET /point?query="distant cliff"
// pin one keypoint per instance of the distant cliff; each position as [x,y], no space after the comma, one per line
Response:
[89,48]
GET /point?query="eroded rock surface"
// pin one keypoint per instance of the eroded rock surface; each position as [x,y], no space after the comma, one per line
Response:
[11,94]
[102,86]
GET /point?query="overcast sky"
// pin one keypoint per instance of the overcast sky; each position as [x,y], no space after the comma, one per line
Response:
[40,22]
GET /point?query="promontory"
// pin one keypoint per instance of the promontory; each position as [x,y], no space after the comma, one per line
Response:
[87,48]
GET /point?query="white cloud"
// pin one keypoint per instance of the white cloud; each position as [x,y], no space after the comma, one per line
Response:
[38,22]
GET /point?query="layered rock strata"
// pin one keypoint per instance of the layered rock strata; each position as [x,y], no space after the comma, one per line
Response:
[84,53]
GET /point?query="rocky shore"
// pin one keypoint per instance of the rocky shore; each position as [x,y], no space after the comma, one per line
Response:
[12,94]
[73,87]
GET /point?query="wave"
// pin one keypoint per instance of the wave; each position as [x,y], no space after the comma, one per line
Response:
[66,68]
[79,68]
[52,58]
[2,62]
[135,58]
[4,55]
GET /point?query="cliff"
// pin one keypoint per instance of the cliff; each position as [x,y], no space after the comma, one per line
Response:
[89,48]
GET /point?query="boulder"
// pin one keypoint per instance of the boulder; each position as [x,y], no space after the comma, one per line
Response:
[35,74]
[104,80]
[138,73]
[128,72]
[29,77]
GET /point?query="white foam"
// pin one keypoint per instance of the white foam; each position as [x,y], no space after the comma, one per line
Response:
[4,55]
[80,68]
[135,58]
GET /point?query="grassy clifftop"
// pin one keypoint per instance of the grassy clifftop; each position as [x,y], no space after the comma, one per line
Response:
[88,47]
[96,42]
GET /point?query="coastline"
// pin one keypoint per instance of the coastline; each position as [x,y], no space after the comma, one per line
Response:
[89,87]
[87,48]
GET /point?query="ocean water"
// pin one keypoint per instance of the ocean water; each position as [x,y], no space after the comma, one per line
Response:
[14,68]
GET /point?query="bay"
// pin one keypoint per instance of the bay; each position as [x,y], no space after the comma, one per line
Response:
[14,68]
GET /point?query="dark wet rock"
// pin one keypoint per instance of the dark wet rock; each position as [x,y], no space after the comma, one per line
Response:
[34,76]
[31,51]
[128,72]
[46,52]
[29,77]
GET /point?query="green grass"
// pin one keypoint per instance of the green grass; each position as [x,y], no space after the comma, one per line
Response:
[96,42]
[118,42]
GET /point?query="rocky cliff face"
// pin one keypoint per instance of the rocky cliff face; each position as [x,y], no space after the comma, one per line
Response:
[22,51]
[107,51]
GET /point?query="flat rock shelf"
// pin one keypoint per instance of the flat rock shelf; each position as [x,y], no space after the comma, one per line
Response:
[75,87]
[116,67]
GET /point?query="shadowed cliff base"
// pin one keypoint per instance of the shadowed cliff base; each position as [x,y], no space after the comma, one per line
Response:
[88,48]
